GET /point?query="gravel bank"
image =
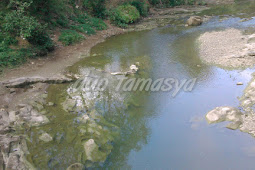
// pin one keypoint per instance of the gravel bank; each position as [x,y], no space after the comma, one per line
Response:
[227,49]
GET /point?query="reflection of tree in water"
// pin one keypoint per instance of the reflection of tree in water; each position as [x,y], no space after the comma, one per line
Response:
[134,131]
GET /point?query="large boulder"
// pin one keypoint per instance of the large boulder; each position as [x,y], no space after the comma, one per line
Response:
[195,21]
[221,114]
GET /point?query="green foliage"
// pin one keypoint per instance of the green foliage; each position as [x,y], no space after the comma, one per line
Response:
[84,28]
[69,37]
[87,24]
[124,14]
[141,6]
[97,7]
[19,24]
[10,57]
[97,23]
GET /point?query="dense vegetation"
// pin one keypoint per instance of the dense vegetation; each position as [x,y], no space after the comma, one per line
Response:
[27,25]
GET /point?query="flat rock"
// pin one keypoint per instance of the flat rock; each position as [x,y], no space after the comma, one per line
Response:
[221,114]
[24,81]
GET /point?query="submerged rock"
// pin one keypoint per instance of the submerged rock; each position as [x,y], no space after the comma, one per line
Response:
[93,153]
[221,114]
[195,21]
[76,166]
[45,137]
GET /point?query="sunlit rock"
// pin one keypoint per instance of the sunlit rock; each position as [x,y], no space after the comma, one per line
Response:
[195,21]
[221,114]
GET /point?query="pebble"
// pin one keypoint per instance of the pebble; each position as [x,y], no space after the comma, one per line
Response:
[239,83]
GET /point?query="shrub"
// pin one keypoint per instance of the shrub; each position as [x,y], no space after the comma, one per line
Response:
[87,24]
[141,6]
[69,37]
[10,57]
[84,28]
[124,14]
[97,7]
[97,23]
[19,24]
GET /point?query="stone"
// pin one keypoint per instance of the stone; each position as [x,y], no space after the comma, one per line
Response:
[221,114]
[239,83]
[251,53]
[84,118]
[45,137]
[93,153]
[69,104]
[234,125]
[195,21]
[38,106]
[24,81]
[76,166]
[44,96]
[134,68]
[12,116]
[12,90]
[51,104]
[3,90]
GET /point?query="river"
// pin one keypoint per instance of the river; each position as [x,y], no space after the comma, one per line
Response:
[154,130]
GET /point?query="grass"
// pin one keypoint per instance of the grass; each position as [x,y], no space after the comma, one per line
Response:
[69,37]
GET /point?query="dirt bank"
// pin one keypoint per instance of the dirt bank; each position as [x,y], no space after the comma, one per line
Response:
[227,49]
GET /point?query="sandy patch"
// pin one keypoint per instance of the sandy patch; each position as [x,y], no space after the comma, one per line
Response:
[227,49]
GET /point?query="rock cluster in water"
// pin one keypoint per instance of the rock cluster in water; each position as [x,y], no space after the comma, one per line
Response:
[244,121]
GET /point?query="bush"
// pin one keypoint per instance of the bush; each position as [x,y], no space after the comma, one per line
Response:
[87,24]
[141,6]
[10,57]
[84,28]
[124,14]
[18,24]
[69,37]
[97,7]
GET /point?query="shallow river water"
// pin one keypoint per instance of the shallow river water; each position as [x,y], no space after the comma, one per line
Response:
[155,129]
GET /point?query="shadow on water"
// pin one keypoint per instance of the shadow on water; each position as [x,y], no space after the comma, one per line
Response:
[155,129]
